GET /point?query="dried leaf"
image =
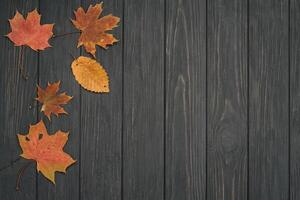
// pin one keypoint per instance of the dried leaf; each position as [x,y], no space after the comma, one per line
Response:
[51,101]
[93,30]
[46,150]
[90,74]
[29,32]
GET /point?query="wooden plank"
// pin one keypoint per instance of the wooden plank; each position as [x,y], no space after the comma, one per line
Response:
[227,99]
[268,102]
[17,106]
[185,99]
[54,65]
[294,100]
[143,149]
[101,122]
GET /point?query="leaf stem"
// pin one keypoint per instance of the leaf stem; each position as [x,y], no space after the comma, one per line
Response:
[21,63]
[64,34]
[72,56]
[11,164]
[20,174]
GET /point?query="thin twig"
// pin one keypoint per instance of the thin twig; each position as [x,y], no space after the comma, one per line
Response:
[64,34]
[20,174]
[9,165]
[21,63]
[72,56]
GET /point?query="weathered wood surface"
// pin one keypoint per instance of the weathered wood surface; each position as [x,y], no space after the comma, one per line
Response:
[54,65]
[101,123]
[294,148]
[185,93]
[268,100]
[227,99]
[17,105]
[204,102]
[143,103]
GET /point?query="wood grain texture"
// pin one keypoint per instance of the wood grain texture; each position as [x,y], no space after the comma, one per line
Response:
[17,107]
[227,100]
[143,150]
[185,100]
[55,65]
[201,104]
[294,100]
[268,103]
[101,122]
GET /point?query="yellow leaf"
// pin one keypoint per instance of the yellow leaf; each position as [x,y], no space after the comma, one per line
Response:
[90,74]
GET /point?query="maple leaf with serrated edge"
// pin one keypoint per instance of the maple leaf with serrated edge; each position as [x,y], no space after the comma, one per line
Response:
[46,150]
[90,74]
[29,31]
[93,30]
[51,100]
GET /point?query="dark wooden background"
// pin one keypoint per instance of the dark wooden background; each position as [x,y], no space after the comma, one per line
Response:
[204,102]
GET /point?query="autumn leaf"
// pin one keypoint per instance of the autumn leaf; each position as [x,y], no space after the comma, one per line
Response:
[51,100]
[93,30]
[46,150]
[90,74]
[29,31]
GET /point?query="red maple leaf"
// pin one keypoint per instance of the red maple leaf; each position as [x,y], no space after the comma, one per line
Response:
[29,31]
[46,150]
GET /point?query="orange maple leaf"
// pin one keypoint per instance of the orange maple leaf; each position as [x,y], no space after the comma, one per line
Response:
[46,150]
[29,32]
[93,30]
[90,74]
[52,101]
